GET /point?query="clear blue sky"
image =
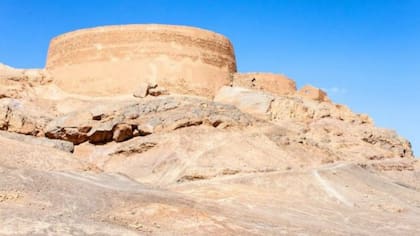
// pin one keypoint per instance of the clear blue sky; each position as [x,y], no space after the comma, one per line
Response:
[366,54]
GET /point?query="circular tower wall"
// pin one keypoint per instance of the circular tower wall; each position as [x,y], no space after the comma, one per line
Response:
[113,60]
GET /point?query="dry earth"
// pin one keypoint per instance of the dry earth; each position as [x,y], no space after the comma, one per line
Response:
[249,162]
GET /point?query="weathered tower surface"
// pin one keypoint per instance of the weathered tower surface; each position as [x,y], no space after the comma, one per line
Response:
[113,60]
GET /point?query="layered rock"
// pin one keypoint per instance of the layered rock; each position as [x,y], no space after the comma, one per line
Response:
[23,117]
[122,121]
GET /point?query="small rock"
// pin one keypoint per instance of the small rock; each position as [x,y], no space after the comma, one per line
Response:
[158,91]
[102,133]
[145,89]
[141,90]
[122,132]
[74,135]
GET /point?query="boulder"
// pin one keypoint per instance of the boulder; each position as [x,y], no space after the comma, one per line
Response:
[122,132]
[100,136]
[102,133]
[72,127]
[71,134]
[141,90]
[20,123]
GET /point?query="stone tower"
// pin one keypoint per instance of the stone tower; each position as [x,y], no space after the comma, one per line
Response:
[113,60]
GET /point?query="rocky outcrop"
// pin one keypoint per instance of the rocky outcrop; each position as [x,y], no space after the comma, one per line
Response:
[310,92]
[346,139]
[18,83]
[23,117]
[293,108]
[125,120]
[160,156]
[249,101]
[31,76]
[306,110]
[331,130]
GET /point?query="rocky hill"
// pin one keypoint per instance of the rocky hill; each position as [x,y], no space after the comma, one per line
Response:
[254,157]
[251,161]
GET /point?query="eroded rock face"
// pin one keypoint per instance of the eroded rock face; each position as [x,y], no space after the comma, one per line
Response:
[18,83]
[115,59]
[306,110]
[250,101]
[23,117]
[311,92]
[125,120]
[31,76]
